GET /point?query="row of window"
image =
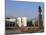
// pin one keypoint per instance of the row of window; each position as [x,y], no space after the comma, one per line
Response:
[30,24]
[11,24]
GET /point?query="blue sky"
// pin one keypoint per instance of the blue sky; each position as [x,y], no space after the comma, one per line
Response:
[21,8]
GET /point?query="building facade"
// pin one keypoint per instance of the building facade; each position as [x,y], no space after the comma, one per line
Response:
[22,21]
[10,23]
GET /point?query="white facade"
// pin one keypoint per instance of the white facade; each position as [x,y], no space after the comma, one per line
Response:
[11,20]
[22,21]
[19,21]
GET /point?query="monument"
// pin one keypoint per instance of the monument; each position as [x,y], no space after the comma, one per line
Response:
[40,18]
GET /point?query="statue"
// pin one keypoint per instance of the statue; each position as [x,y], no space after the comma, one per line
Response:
[40,18]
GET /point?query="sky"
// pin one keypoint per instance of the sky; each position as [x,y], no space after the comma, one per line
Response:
[22,8]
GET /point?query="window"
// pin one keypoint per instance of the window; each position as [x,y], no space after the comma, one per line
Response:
[10,24]
[13,24]
[29,23]
[36,23]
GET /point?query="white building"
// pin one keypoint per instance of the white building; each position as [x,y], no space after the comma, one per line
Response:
[11,20]
[19,21]
[22,21]
[10,23]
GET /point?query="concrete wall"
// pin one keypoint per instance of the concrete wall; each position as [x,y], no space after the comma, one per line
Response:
[22,21]
[19,21]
